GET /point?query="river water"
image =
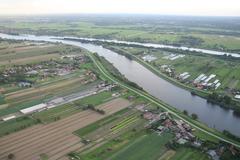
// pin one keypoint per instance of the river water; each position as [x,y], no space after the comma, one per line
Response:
[152,45]
[212,115]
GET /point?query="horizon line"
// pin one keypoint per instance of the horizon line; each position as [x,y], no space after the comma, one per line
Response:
[91,13]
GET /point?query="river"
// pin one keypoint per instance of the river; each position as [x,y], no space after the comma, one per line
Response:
[212,115]
[152,45]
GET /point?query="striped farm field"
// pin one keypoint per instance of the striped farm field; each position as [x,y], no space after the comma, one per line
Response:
[54,139]
[124,123]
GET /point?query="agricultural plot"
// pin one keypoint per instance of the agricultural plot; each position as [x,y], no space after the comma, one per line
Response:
[18,55]
[99,124]
[57,113]
[106,130]
[95,99]
[50,89]
[167,155]
[16,125]
[33,96]
[55,139]
[124,123]
[29,60]
[188,153]
[148,147]
[134,145]
[112,146]
[74,107]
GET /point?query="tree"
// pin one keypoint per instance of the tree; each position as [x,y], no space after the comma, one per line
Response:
[11,156]
[227,99]
[194,116]
[185,112]
[90,106]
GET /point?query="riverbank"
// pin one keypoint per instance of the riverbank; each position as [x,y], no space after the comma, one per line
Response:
[196,91]
[199,126]
[231,104]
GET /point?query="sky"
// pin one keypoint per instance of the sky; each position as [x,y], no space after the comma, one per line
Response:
[166,7]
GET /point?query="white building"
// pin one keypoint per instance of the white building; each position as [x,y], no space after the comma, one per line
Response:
[34,108]
[8,118]
[237,96]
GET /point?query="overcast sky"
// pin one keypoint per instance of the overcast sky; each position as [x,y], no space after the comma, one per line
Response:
[172,7]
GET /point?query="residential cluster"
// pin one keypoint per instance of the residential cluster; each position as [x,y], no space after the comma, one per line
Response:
[201,82]
[163,122]
[206,82]
[20,74]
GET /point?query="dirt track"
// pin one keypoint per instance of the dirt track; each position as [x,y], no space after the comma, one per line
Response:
[54,139]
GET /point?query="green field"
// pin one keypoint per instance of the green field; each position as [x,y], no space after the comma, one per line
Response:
[16,125]
[16,108]
[57,113]
[124,123]
[94,126]
[147,147]
[189,153]
[21,53]
[95,99]
[112,146]
[196,32]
